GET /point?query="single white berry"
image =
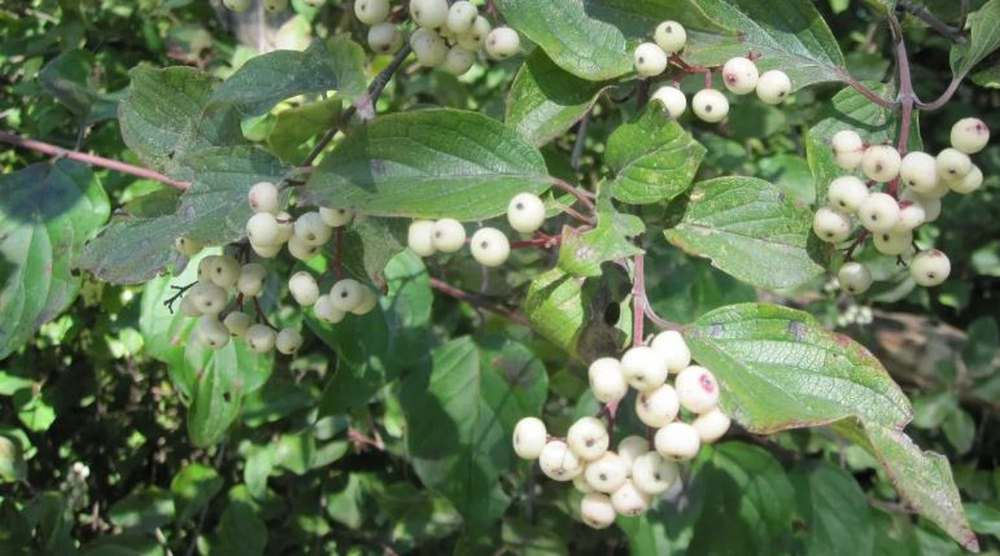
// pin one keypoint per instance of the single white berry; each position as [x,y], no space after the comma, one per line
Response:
[677,441]
[597,511]
[710,105]
[385,38]
[580,482]
[301,250]
[458,61]
[931,205]
[644,368]
[606,380]
[189,308]
[502,43]
[653,474]
[212,332]
[656,408]
[475,38]
[251,280]
[368,302]
[448,235]
[208,298]
[237,5]
[371,12]
[420,237]
[673,349]
[893,242]
[911,216]
[588,438]
[286,226]
[288,341]
[263,197]
[430,49]
[558,462]
[431,14]
[237,323]
[970,183]
[529,438]
[275,6]
[670,36]
[303,288]
[848,148]
[881,163]
[461,17]
[930,268]
[697,389]
[526,213]
[970,135]
[335,218]
[347,294]
[673,100]
[225,271]
[919,171]
[773,87]
[879,212]
[740,75]
[260,338]
[629,500]
[188,247]
[650,59]
[953,164]
[312,230]
[262,229]
[490,247]
[326,312]
[607,473]
[846,193]
[711,426]
[266,251]
[630,448]
[831,226]
[855,278]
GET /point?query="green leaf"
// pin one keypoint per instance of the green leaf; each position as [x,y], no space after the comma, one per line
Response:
[68,79]
[241,531]
[595,39]
[583,253]
[989,77]
[370,243]
[52,522]
[293,127]
[984,519]
[653,157]
[132,250]
[834,510]
[750,230]
[428,164]
[514,381]
[266,80]
[47,211]
[545,101]
[143,510]
[193,487]
[222,378]
[457,445]
[345,506]
[779,368]
[984,38]
[686,288]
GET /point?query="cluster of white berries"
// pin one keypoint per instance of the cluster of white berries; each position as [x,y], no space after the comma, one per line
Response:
[270,6]
[624,481]
[740,75]
[447,37]
[891,220]
[489,246]
[268,230]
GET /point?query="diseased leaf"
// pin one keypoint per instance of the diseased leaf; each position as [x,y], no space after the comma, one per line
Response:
[583,253]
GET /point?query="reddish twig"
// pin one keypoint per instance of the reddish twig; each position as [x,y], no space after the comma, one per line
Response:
[638,299]
[542,240]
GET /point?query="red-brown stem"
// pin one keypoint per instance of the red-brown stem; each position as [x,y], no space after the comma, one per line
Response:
[543,241]
[574,191]
[865,91]
[638,300]
[115,165]
[708,79]
[478,301]
[849,254]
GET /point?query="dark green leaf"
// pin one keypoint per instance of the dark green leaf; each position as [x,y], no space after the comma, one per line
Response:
[370,243]
[293,127]
[514,381]
[241,531]
[583,253]
[834,509]
[68,78]
[143,510]
[193,487]
[984,38]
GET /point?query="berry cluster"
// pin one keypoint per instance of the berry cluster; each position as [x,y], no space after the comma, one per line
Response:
[268,230]
[489,246]
[625,480]
[891,216]
[740,75]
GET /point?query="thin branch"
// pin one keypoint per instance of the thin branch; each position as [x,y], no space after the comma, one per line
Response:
[638,300]
[581,141]
[574,191]
[944,98]
[865,91]
[115,165]
[923,14]
[181,290]
[478,301]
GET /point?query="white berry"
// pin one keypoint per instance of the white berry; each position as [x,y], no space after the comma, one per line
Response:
[970,183]
[710,105]
[588,438]
[711,426]
[368,302]
[855,278]
[448,235]
[740,75]
[502,43]
[846,193]
[188,307]
[881,163]
[458,61]
[893,242]
[286,226]
[831,226]
[371,12]
[970,135]
[347,294]
[312,229]
[461,17]
[673,99]
[430,14]
[301,250]
[558,462]
[697,389]
[288,341]
[430,49]
[606,380]
[420,237]
[670,36]
[260,338]
[650,59]
[223,270]
[263,197]
[656,408]
[848,148]
[266,251]
[930,268]
[303,288]
[385,38]
[275,6]
[607,473]
[677,441]
[212,332]
[529,438]
[911,216]
[326,312]
[490,247]
[262,229]
[879,212]
[953,164]
[188,247]
[335,218]
[654,475]
[773,87]
[631,447]
[931,206]
[251,279]
[629,500]
[208,298]
[475,38]
[580,483]
[644,368]
[919,171]
[526,213]
[597,511]
[237,323]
